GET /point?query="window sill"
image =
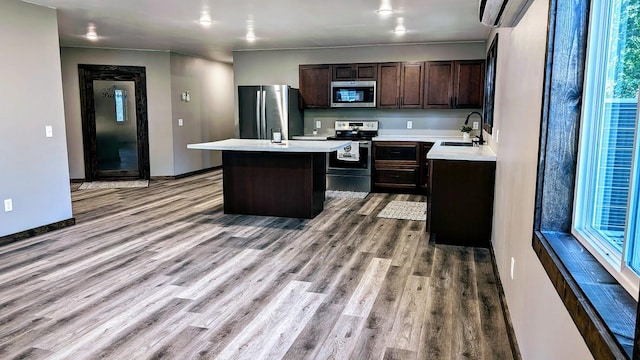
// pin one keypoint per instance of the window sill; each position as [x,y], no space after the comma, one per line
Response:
[603,311]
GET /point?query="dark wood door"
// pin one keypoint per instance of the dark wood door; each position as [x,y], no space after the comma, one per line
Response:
[388,86]
[114,121]
[314,81]
[411,85]
[438,85]
[367,72]
[343,72]
[351,72]
[469,84]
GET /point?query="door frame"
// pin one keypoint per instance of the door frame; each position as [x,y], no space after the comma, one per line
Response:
[87,74]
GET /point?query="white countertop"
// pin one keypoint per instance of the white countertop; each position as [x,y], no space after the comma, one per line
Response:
[469,153]
[308,146]
[417,137]
[309,137]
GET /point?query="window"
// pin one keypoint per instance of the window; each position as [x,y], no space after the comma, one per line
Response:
[120,98]
[606,212]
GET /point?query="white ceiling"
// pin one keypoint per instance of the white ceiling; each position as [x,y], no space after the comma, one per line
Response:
[279,24]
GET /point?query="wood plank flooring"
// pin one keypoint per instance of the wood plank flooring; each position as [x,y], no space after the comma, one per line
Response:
[162,273]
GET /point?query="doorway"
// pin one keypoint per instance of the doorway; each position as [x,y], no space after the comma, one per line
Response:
[114,122]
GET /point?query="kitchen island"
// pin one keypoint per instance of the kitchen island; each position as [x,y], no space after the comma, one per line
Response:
[285,179]
[461,187]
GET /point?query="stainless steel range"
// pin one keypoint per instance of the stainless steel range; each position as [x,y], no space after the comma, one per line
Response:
[350,168]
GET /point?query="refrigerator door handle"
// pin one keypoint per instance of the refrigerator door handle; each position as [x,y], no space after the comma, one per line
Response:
[265,133]
[258,121]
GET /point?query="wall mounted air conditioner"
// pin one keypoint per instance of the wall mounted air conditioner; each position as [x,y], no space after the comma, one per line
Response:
[502,13]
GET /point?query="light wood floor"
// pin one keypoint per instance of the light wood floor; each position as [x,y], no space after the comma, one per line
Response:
[161,272]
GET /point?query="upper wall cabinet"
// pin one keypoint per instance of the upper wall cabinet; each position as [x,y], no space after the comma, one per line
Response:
[348,72]
[411,85]
[314,82]
[400,85]
[454,84]
[387,87]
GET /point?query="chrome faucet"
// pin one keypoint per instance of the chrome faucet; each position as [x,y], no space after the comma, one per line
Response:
[466,122]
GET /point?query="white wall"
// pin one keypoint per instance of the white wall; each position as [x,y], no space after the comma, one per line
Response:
[207,117]
[158,103]
[281,67]
[34,168]
[542,324]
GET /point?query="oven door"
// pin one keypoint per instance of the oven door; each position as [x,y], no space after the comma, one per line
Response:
[360,167]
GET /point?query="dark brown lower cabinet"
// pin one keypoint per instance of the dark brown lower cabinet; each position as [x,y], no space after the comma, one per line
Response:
[401,166]
[460,202]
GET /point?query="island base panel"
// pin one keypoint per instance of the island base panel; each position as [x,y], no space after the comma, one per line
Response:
[274,184]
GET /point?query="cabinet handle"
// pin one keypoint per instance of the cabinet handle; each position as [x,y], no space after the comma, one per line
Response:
[395,152]
[455,102]
[451,102]
[395,176]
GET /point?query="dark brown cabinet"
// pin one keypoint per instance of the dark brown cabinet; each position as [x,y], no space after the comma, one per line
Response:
[454,84]
[387,87]
[348,72]
[424,166]
[396,165]
[468,84]
[314,83]
[411,85]
[460,202]
[400,85]
[438,85]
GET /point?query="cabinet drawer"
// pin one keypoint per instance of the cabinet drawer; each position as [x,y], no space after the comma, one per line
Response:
[402,177]
[396,153]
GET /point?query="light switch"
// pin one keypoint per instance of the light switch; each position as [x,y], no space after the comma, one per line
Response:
[48,131]
[409,124]
[180,122]
[475,125]
[8,205]
[318,124]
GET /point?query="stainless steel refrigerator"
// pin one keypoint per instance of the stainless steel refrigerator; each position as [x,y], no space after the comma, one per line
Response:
[267,108]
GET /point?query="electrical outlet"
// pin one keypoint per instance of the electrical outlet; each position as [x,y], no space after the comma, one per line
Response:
[513,265]
[180,122]
[475,125]
[8,205]
[409,124]
[48,131]
[318,124]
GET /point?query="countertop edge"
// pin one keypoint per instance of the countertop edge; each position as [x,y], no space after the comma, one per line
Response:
[293,146]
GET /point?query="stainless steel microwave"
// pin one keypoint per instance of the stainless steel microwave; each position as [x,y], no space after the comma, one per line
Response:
[358,94]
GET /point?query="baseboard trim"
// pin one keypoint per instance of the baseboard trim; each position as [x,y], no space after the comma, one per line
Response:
[182,176]
[513,342]
[8,239]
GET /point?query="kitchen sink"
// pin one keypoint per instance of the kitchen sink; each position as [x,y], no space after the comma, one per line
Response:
[455,143]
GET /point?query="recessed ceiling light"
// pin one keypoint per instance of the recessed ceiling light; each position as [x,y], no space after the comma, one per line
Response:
[91,33]
[251,36]
[384,11]
[205,19]
[400,29]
